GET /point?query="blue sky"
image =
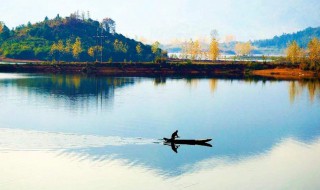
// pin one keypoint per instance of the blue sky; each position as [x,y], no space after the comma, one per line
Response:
[165,20]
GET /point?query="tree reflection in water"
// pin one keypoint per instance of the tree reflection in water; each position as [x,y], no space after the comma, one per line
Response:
[74,90]
[296,88]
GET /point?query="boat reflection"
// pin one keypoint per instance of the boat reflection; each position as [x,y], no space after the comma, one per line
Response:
[175,146]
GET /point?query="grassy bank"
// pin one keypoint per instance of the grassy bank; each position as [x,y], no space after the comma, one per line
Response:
[199,69]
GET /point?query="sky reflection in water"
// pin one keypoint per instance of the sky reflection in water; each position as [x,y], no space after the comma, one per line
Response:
[97,133]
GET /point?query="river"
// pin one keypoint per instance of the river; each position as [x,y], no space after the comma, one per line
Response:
[81,132]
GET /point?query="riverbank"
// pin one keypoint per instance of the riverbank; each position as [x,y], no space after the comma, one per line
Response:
[9,60]
[219,69]
[286,73]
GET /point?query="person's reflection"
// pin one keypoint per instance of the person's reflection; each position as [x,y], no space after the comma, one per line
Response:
[174,147]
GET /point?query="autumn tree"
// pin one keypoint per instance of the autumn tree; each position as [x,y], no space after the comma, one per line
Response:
[139,49]
[314,52]
[191,50]
[60,46]
[1,26]
[53,49]
[294,52]
[155,47]
[214,51]
[57,49]
[68,47]
[91,51]
[195,49]
[119,46]
[94,50]
[243,48]
[76,48]
[185,50]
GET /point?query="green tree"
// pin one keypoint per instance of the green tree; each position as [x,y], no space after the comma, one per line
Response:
[76,48]
[4,32]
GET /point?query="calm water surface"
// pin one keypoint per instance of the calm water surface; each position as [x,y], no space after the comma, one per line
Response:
[79,132]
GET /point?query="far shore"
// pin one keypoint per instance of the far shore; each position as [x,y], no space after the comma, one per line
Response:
[225,69]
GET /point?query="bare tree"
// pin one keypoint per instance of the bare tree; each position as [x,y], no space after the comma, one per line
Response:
[243,48]
[109,25]
[214,34]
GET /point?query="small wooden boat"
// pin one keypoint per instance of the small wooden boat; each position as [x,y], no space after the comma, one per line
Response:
[187,141]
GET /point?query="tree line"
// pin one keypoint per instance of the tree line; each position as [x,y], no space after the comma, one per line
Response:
[193,50]
[280,42]
[308,58]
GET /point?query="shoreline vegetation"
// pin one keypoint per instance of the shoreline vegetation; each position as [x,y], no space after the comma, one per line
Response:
[78,44]
[172,68]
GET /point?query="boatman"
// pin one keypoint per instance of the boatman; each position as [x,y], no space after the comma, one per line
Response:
[174,135]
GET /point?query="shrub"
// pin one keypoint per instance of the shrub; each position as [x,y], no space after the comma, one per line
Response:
[189,62]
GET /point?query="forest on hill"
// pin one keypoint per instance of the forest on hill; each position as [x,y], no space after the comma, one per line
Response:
[73,38]
[302,37]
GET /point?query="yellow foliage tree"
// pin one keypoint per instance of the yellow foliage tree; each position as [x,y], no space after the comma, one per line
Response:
[60,46]
[68,47]
[294,52]
[243,48]
[139,49]
[76,48]
[57,49]
[1,26]
[155,47]
[91,52]
[94,50]
[314,51]
[214,50]
[191,50]
[119,46]
[195,50]
[53,48]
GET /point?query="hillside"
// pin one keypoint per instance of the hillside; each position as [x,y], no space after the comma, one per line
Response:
[72,38]
[280,42]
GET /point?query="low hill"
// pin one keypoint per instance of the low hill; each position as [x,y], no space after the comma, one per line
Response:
[280,42]
[72,38]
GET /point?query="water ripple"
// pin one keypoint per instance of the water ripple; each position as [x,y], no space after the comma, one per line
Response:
[18,139]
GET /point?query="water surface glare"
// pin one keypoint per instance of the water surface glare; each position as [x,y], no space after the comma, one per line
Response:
[81,132]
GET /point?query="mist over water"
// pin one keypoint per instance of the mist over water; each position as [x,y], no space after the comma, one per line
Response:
[104,133]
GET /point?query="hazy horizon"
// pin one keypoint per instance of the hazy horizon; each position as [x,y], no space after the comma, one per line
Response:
[168,20]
